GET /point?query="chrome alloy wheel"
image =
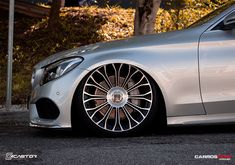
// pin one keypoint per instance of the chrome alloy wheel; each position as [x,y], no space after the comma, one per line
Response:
[117,97]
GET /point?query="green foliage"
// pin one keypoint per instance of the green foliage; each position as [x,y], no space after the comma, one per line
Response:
[78,26]
[174,4]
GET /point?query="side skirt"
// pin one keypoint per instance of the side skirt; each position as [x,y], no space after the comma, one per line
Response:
[201,119]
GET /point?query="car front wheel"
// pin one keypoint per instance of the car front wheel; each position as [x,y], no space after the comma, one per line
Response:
[115,99]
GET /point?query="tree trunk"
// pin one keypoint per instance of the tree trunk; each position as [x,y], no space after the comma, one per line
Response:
[145,16]
[55,14]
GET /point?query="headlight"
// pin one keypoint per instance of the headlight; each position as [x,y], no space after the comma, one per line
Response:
[59,68]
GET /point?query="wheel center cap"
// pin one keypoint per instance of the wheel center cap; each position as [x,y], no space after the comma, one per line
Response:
[117,97]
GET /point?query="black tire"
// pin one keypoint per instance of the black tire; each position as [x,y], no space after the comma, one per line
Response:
[83,122]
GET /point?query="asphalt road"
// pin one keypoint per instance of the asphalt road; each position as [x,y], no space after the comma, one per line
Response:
[172,146]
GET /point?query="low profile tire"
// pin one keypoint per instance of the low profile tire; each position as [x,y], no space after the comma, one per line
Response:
[115,99]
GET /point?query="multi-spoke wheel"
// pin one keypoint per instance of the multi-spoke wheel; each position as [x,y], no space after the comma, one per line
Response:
[117,98]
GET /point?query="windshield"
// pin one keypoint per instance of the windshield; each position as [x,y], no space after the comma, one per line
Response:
[212,14]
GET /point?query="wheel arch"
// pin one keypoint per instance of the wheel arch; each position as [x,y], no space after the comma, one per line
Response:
[161,117]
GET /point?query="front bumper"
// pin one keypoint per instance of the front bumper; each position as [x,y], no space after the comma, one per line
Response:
[59,91]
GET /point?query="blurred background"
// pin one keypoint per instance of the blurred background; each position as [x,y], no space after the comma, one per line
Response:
[80,22]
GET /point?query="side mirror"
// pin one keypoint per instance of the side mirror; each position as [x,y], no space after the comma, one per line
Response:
[229,22]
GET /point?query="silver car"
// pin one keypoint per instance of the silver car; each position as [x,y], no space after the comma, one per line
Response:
[130,86]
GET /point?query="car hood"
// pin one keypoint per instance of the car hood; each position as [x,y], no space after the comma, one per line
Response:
[174,37]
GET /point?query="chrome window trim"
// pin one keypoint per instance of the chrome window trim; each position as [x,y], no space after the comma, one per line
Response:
[210,29]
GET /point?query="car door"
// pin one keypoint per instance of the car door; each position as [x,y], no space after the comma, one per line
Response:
[217,68]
